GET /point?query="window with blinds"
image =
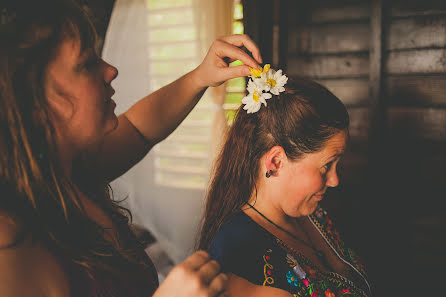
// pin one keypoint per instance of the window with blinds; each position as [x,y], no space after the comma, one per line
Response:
[182,160]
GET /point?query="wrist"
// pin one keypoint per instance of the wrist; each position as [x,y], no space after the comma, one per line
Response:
[197,79]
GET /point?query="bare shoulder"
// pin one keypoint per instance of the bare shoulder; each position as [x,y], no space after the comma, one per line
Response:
[9,231]
[238,286]
[24,261]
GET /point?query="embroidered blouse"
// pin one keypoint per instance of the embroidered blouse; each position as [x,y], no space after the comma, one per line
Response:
[247,250]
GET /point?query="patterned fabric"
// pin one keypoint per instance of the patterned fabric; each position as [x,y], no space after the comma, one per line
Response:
[246,249]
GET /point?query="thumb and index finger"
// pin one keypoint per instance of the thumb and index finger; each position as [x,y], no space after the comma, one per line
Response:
[230,48]
[196,260]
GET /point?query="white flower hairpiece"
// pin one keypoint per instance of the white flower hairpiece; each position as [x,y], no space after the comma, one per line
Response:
[263,83]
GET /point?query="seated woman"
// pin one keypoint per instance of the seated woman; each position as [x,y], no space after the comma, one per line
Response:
[262,220]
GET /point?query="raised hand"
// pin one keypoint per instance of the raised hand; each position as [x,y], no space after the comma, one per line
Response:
[197,276]
[214,69]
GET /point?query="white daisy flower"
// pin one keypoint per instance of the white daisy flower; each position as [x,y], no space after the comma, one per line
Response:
[275,81]
[256,96]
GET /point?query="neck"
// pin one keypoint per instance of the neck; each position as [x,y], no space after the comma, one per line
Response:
[264,203]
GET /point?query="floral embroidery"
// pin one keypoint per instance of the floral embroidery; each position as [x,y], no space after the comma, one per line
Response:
[303,278]
[326,226]
[292,279]
[267,268]
[329,293]
[315,283]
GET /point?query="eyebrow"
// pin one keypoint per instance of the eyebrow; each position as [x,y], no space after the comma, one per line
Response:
[335,156]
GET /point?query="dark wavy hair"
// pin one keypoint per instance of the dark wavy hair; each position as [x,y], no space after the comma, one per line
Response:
[300,120]
[35,192]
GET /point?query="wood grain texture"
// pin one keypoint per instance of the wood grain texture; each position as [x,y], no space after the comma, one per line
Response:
[330,39]
[320,67]
[420,32]
[359,123]
[409,8]
[416,61]
[417,123]
[352,92]
[339,11]
[417,90]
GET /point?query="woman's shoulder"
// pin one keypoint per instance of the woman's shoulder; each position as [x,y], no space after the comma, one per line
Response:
[239,230]
[10,231]
[25,261]
[239,239]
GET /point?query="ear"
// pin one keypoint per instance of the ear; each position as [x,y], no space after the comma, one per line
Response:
[274,160]
[60,107]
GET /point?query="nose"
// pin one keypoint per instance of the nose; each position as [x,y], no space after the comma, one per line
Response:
[332,178]
[110,73]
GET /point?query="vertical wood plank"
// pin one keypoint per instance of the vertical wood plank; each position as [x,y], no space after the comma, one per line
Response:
[276,33]
[258,24]
[377,107]
[283,33]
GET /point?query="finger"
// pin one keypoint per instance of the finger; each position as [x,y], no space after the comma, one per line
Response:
[244,40]
[209,270]
[233,72]
[196,260]
[218,285]
[224,49]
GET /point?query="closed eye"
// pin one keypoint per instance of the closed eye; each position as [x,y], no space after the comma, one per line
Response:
[328,166]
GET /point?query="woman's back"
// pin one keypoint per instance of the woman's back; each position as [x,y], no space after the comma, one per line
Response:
[27,268]
[48,274]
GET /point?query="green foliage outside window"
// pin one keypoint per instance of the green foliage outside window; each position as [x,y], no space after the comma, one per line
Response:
[235,88]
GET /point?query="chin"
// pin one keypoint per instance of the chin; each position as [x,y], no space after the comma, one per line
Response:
[310,209]
[112,125]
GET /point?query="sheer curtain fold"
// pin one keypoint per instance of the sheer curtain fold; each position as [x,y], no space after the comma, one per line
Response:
[214,20]
[171,214]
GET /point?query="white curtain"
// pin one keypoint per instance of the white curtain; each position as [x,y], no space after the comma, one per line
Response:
[172,215]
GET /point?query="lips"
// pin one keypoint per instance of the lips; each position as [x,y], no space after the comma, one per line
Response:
[319,196]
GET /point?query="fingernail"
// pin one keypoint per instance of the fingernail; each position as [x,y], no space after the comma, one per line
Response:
[260,59]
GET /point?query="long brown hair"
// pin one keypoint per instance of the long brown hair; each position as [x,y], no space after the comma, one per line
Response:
[301,119]
[35,192]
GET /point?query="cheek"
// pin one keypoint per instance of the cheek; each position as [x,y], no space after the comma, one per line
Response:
[307,179]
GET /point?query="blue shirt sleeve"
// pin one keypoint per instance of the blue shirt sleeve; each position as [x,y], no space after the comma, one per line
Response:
[239,248]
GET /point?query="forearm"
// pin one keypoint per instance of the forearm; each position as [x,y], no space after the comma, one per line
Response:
[158,114]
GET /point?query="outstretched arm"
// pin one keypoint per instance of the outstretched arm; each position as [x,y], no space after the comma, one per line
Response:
[157,115]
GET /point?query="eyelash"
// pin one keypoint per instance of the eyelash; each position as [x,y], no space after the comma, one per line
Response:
[328,166]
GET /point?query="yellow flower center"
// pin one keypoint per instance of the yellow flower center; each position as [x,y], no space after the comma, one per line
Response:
[256,96]
[255,72]
[271,82]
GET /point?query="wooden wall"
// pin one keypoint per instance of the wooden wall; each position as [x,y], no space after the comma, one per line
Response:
[386,60]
